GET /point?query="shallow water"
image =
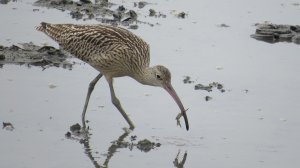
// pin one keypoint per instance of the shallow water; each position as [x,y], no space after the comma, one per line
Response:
[233,129]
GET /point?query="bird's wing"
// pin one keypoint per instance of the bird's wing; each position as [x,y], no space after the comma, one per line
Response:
[86,42]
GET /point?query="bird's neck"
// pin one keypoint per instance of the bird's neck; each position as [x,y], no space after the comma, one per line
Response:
[144,76]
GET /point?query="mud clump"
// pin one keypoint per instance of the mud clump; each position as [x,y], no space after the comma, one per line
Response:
[146,145]
[141,4]
[78,9]
[99,11]
[273,33]
[187,79]
[8,126]
[207,98]
[203,87]
[88,1]
[210,86]
[33,55]
[152,12]
[76,15]
[75,127]
[2,57]
[143,145]
[181,15]
[4,1]
[132,17]
[121,8]
[222,25]
[178,14]
[133,27]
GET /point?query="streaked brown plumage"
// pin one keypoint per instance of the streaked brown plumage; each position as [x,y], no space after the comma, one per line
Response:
[114,52]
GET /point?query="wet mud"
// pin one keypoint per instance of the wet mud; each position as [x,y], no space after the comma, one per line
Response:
[33,55]
[180,14]
[146,145]
[210,87]
[152,12]
[187,79]
[141,4]
[6,1]
[222,25]
[8,126]
[207,98]
[274,33]
[80,9]
[100,11]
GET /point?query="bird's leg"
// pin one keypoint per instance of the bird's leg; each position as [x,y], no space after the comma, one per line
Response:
[117,103]
[90,90]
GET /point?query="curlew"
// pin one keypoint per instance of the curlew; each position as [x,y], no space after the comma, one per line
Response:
[114,52]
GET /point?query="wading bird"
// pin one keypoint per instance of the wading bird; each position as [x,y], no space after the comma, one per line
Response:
[114,52]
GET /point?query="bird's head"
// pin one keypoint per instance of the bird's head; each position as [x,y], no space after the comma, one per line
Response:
[161,76]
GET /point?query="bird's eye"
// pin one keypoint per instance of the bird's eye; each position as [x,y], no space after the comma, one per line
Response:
[158,76]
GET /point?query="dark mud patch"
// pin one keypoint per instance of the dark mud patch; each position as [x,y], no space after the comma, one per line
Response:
[8,126]
[178,14]
[222,25]
[210,87]
[78,9]
[100,11]
[143,145]
[207,98]
[4,2]
[187,79]
[273,33]
[152,12]
[146,145]
[33,55]
[141,4]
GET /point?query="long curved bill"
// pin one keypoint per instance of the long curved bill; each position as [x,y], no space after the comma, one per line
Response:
[168,87]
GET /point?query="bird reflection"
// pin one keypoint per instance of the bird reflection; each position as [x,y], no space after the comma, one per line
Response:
[82,135]
[177,163]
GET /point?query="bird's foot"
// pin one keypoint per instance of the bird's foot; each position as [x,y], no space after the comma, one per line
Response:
[178,118]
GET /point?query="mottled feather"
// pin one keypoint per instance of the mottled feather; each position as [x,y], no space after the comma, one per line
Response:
[113,51]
